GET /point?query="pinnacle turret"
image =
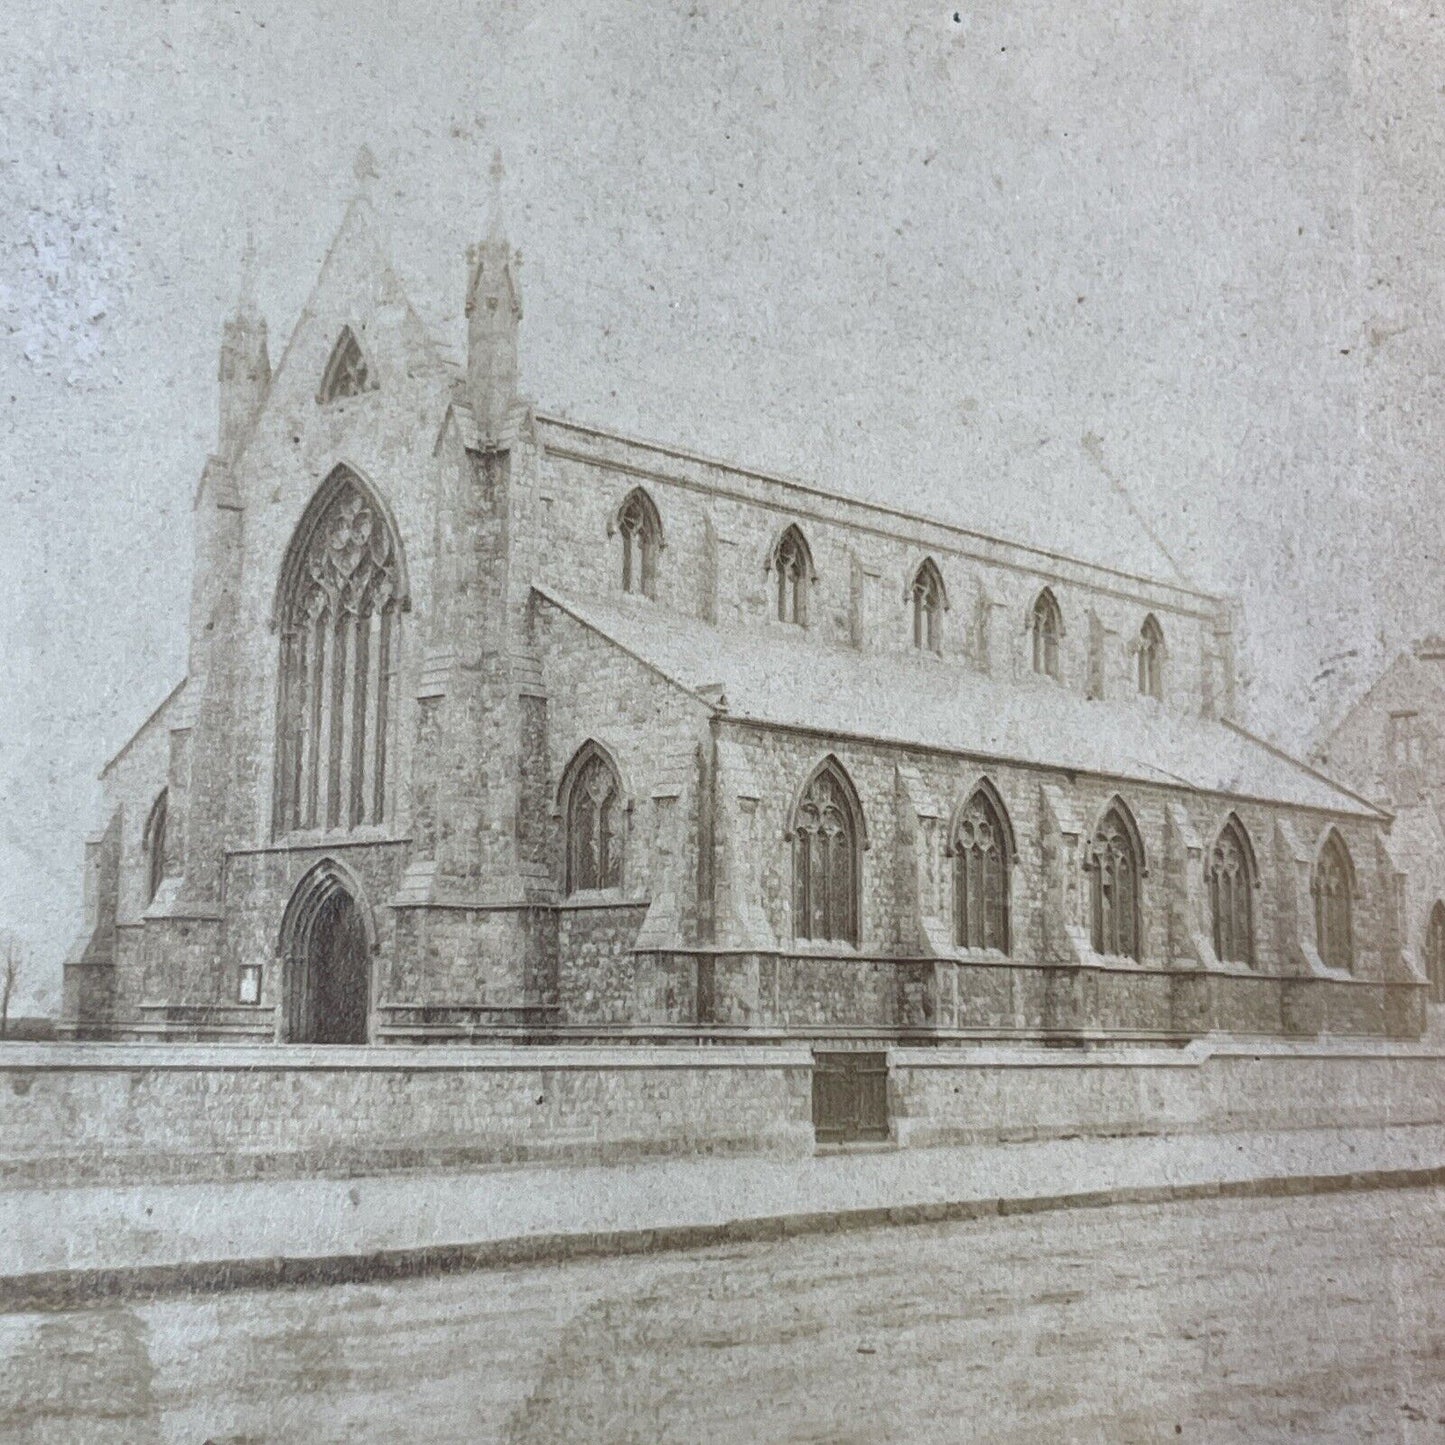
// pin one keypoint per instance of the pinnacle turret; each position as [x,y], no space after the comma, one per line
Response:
[245,367]
[494,311]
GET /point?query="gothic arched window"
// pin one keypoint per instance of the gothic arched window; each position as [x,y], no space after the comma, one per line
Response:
[827,836]
[1115,863]
[593,808]
[793,564]
[926,594]
[982,846]
[338,610]
[1231,894]
[347,373]
[154,840]
[641,532]
[1435,953]
[1151,658]
[1046,623]
[1334,884]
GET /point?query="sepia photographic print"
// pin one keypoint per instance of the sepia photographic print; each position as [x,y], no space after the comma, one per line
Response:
[722,722]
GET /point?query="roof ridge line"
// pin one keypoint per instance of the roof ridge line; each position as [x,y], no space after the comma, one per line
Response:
[812,489]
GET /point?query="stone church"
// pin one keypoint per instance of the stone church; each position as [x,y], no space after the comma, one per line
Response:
[498,726]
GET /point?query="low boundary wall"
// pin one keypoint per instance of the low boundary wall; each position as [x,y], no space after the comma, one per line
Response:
[970,1096]
[93,1113]
[100,1113]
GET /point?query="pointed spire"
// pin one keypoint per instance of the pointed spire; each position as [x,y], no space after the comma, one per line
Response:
[246,304]
[497,171]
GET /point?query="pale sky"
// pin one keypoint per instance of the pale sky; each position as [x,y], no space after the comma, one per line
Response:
[1007,262]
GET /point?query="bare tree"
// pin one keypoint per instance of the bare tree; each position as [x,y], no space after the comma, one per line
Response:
[9,977]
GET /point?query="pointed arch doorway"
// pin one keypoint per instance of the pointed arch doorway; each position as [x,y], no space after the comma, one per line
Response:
[327,941]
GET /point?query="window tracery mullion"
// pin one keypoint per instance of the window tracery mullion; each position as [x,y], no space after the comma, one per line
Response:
[384,673]
[336,720]
[360,673]
[288,723]
[975,896]
[315,706]
[1224,886]
[823,891]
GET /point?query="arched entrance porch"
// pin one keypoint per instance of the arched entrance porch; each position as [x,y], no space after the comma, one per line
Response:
[327,940]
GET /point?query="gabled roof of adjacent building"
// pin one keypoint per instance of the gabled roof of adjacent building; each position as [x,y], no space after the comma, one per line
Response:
[1415,673]
[778,676]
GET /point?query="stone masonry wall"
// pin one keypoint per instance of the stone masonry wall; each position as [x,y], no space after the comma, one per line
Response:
[942,1096]
[719,526]
[75,1113]
[80,1114]
[782,761]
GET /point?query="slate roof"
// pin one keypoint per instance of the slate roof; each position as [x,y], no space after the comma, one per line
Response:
[776,675]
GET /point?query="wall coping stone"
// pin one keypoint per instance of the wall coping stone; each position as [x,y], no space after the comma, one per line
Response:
[391,1058]
[1193,1055]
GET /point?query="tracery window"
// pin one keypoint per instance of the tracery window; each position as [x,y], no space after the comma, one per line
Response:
[827,833]
[641,532]
[594,821]
[1151,658]
[1114,862]
[338,609]
[154,842]
[793,564]
[926,594]
[347,373]
[1334,882]
[981,848]
[1435,953]
[1047,624]
[1231,898]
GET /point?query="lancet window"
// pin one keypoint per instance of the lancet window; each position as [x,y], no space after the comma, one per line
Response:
[926,595]
[1334,883]
[594,815]
[1151,658]
[981,853]
[793,565]
[1114,862]
[641,533]
[154,840]
[827,835]
[1231,894]
[1435,953]
[1047,625]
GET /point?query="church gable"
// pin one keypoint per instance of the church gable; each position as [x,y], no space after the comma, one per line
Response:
[358,333]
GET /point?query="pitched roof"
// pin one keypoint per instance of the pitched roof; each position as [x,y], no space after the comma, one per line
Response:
[1407,676]
[781,677]
[156,713]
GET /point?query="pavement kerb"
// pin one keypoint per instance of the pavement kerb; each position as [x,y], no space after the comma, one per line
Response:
[54,1290]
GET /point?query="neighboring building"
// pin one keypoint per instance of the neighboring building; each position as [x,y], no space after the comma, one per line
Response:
[498,725]
[1391,745]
